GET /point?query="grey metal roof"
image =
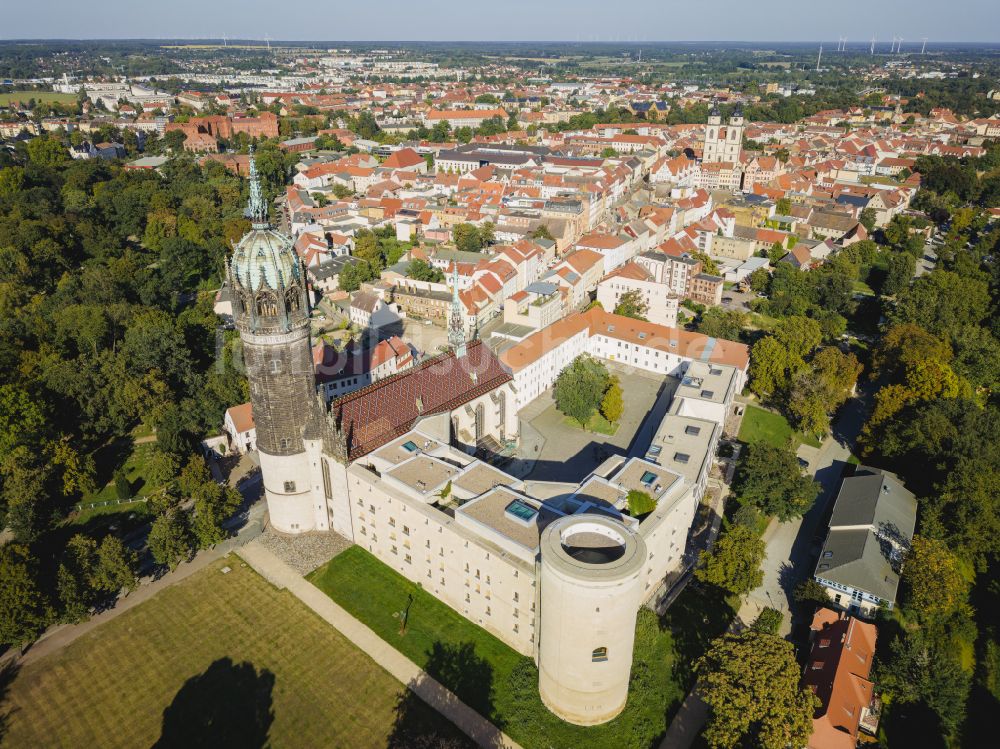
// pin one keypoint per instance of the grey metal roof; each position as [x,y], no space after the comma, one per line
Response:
[544,288]
[876,498]
[872,523]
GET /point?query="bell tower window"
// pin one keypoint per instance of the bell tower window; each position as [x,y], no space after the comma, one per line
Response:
[274,366]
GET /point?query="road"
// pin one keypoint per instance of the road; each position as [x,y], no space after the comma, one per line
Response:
[792,546]
[928,261]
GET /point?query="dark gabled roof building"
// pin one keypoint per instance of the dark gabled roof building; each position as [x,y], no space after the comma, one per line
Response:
[870,530]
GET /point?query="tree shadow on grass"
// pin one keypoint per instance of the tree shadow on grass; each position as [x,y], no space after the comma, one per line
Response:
[229,705]
[699,615]
[469,678]
[8,672]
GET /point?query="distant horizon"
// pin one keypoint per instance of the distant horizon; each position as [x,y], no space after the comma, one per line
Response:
[562,21]
[236,40]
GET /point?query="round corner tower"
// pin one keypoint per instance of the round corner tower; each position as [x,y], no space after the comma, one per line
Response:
[271,310]
[591,588]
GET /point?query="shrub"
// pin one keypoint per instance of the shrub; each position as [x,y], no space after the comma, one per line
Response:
[640,503]
[768,621]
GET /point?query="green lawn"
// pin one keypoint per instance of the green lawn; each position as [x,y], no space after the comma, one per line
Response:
[216,660]
[38,96]
[494,679]
[597,424]
[860,287]
[760,425]
[133,458]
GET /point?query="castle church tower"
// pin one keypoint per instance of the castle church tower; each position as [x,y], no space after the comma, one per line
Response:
[271,309]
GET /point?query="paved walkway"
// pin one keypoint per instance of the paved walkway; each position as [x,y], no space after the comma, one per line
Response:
[56,638]
[687,723]
[402,668]
[792,547]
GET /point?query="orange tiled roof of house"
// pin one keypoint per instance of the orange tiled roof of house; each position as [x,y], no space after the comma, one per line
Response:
[638,332]
[837,672]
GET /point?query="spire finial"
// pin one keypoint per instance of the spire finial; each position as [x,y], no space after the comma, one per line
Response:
[256,207]
[456,325]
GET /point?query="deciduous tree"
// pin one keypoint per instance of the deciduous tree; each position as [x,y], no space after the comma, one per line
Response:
[580,387]
[751,683]
[733,564]
[935,586]
[23,608]
[769,478]
[612,405]
[632,304]
[170,538]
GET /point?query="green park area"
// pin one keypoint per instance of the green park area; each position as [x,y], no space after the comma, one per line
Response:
[760,425]
[503,685]
[41,97]
[597,424]
[221,660]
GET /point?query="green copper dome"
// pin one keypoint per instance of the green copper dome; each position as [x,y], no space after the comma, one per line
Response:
[265,259]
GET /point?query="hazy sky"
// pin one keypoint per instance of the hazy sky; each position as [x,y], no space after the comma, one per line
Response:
[572,20]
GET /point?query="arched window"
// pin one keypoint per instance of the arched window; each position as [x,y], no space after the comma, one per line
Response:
[267,305]
[503,413]
[480,422]
[292,300]
[599,655]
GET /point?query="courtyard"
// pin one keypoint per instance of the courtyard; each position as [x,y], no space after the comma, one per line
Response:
[554,448]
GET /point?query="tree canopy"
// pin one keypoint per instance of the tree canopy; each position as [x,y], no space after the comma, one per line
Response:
[751,684]
[769,478]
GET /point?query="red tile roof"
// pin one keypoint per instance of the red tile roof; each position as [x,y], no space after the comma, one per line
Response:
[377,414]
[837,672]
[242,417]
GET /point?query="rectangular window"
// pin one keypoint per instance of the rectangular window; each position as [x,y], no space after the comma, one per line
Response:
[289,486]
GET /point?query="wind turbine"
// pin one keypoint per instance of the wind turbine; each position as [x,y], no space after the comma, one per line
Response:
[899,46]
[923,47]
[267,38]
[819,57]
[873,44]
[225,42]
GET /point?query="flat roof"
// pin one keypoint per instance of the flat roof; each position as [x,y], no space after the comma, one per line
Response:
[600,491]
[423,473]
[641,475]
[395,452]
[683,443]
[479,478]
[705,381]
[490,510]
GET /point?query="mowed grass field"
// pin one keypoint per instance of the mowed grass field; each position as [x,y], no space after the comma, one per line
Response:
[767,426]
[110,687]
[45,97]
